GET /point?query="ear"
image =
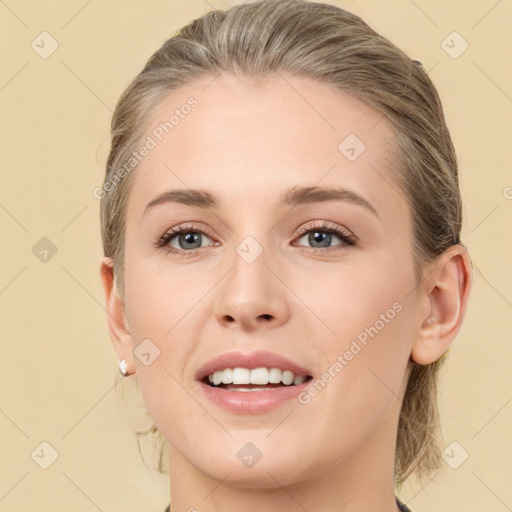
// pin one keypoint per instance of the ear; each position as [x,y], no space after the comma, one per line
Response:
[447,287]
[116,315]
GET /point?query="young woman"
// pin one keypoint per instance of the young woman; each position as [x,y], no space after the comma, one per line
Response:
[283,268]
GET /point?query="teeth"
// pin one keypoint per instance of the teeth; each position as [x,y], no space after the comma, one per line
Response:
[227,376]
[240,376]
[258,376]
[288,377]
[275,375]
[299,379]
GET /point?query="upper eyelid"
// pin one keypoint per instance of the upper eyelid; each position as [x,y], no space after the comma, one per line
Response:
[326,225]
[304,228]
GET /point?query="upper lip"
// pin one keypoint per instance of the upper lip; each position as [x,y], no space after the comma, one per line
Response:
[249,360]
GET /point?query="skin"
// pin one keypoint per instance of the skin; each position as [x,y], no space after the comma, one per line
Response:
[248,141]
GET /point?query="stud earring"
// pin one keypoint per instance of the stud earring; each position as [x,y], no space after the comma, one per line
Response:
[122,368]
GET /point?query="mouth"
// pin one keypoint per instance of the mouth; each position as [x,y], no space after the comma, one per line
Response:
[251,383]
[247,370]
[256,379]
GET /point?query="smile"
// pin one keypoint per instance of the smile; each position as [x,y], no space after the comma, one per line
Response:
[257,379]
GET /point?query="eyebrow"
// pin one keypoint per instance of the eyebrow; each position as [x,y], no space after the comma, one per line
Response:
[200,198]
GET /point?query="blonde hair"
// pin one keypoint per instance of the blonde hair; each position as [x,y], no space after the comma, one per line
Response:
[334,47]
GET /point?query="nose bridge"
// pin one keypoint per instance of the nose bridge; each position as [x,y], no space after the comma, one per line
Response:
[253,242]
[250,276]
[251,293]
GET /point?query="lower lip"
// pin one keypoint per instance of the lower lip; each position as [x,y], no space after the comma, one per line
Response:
[252,402]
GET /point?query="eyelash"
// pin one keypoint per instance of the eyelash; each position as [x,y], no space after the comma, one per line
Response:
[345,237]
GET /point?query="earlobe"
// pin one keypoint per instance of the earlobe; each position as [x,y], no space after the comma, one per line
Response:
[447,289]
[116,315]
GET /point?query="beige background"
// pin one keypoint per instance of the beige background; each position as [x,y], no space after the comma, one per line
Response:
[58,366]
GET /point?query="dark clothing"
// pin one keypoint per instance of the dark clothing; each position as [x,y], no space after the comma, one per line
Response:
[401,506]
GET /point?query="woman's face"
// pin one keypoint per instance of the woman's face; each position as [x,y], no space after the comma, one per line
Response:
[266,271]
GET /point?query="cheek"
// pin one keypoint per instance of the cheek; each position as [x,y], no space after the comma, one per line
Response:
[160,297]
[361,383]
[361,300]
[160,314]
[365,356]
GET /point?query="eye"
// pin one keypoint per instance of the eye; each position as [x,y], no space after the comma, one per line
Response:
[182,239]
[187,239]
[322,235]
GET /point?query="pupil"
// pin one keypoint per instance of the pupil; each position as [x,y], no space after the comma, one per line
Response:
[318,234]
[190,237]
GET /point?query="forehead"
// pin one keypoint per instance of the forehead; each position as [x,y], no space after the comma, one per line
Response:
[247,138]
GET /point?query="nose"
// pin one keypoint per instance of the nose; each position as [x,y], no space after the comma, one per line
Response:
[252,296]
